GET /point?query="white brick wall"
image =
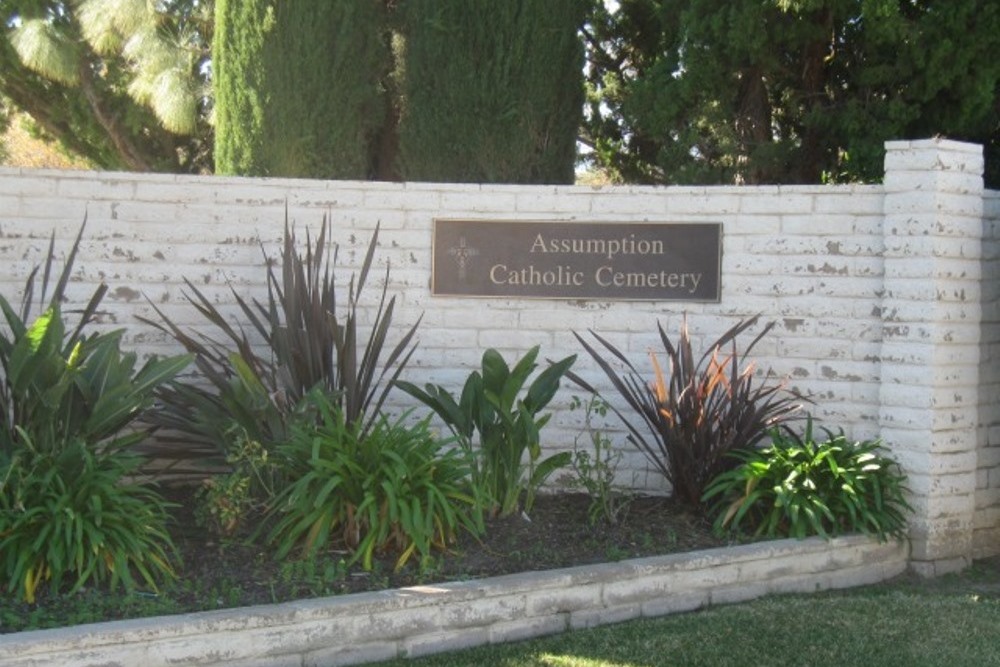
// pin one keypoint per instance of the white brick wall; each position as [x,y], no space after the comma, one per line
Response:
[986,538]
[931,314]
[877,291]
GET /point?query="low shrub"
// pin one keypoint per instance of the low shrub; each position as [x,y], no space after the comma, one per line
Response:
[595,465]
[228,502]
[392,486]
[68,403]
[702,409]
[308,342]
[68,513]
[508,464]
[798,487]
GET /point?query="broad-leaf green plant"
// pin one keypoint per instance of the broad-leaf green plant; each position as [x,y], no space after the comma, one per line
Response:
[61,387]
[800,486]
[687,420]
[69,401]
[305,335]
[393,486]
[499,423]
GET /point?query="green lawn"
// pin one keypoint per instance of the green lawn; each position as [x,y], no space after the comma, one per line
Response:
[953,621]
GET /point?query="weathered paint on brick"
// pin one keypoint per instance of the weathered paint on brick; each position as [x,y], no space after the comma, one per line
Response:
[887,296]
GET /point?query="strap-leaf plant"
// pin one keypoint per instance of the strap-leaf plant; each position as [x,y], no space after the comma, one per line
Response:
[801,486]
[306,335]
[397,487]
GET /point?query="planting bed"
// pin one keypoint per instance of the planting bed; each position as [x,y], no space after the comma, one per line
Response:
[409,614]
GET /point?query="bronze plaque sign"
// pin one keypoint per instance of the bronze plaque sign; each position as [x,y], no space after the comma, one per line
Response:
[577,260]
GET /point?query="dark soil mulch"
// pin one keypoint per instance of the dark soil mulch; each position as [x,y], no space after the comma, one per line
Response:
[220,573]
[557,534]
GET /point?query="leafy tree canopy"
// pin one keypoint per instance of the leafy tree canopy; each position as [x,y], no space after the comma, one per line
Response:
[786,91]
[680,91]
[121,82]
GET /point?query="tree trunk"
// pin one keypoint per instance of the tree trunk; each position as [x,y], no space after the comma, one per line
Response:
[753,126]
[810,165]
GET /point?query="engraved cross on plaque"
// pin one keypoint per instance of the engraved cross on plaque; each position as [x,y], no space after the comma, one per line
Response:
[462,254]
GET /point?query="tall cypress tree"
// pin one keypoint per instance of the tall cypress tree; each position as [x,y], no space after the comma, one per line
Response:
[491,90]
[299,87]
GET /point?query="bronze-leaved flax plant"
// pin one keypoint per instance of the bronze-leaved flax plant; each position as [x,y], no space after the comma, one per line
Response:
[311,340]
[687,418]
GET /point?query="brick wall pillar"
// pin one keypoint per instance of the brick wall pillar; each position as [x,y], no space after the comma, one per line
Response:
[930,339]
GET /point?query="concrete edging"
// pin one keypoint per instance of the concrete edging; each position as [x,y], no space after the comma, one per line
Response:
[366,627]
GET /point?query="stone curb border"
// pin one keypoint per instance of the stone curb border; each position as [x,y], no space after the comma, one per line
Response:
[366,627]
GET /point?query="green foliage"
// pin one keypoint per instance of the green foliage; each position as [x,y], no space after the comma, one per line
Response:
[491,91]
[507,423]
[786,91]
[80,387]
[166,47]
[60,384]
[122,84]
[67,401]
[228,501]
[700,412]
[395,486]
[299,87]
[314,576]
[310,343]
[6,118]
[68,512]
[596,470]
[798,487]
